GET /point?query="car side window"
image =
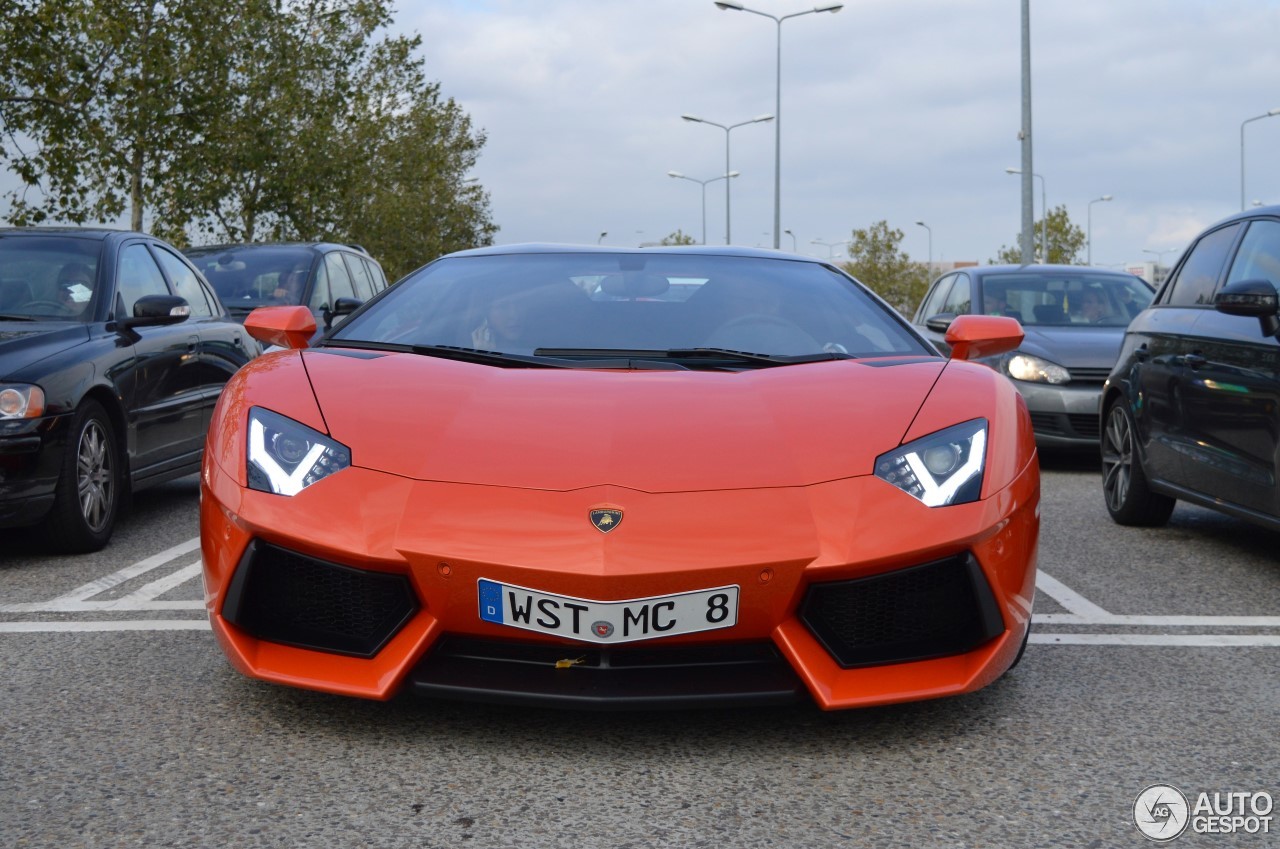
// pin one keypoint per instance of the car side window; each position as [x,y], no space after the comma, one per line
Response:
[959,299]
[1259,254]
[1198,276]
[185,281]
[933,303]
[139,276]
[375,274]
[359,277]
[339,280]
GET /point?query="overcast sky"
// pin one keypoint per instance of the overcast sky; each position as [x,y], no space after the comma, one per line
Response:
[895,110]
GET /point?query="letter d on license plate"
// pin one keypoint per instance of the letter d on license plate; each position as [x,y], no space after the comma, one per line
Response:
[608,621]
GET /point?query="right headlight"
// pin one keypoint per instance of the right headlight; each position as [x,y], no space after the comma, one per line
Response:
[1035,370]
[941,469]
[286,457]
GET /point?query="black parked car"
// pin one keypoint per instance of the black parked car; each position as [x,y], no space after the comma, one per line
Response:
[1190,410]
[1074,319]
[113,352]
[330,279]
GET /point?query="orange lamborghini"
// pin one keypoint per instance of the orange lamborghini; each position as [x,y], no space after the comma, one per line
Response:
[608,478]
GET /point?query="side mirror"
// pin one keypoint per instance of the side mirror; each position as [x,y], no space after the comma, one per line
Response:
[342,306]
[939,323]
[155,311]
[284,327]
[974,336]
[1251,298]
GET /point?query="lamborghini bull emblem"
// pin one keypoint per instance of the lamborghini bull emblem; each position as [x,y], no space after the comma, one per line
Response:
[605,519]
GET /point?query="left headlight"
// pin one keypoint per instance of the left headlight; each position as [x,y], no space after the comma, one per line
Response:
[940,469]
[286,457]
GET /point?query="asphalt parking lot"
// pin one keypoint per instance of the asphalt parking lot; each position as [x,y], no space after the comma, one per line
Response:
[1154,660]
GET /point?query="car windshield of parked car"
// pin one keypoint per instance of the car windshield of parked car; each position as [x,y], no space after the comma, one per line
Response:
[47,278]
[254,276]
[1066,299]
[579,304]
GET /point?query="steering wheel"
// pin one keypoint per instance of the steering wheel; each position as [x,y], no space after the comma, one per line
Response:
[59,308]
[761,320]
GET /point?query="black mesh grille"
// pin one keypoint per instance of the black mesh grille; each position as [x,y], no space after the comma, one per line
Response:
[286,597]
[1078,425]
[1089,375]
[932,610]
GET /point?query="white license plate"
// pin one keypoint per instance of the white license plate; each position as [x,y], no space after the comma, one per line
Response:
[608,621]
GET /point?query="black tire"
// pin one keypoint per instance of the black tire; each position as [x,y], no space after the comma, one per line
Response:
[1130,500]
[90,485]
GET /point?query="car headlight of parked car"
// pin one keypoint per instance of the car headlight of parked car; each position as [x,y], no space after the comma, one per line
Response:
[286,457]
[941,469]
[1035,370]
[21,401]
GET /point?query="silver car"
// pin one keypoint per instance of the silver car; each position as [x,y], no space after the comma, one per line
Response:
[1074,318]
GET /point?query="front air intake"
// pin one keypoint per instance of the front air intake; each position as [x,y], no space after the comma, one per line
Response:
[932,610]
[286,597]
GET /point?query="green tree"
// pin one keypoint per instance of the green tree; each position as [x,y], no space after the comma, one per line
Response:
[1065,241]
[101,101]
[237,120]
[679,237]
[874,258]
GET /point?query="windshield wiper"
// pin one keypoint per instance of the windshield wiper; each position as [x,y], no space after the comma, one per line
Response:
[457,352]
[719,354]
[7,317]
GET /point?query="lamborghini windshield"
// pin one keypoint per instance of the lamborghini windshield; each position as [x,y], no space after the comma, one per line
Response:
[595,305]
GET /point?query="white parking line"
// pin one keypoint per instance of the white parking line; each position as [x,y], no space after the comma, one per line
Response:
[113,625]
[129,572]
[1067,597]
[1184,640]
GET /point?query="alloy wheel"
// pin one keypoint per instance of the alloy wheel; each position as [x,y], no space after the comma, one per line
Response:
[1117,458]
[95,476]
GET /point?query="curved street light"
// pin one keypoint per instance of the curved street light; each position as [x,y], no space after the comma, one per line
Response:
[601,239]
[930,229]
[726,127]
[830,246]
[1088,238]
[1044,222]
[793,240]
[727,5]
[703,183]
[1266,114]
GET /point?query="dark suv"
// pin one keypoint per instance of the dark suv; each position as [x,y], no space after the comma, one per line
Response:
[331,279]
[1190,410]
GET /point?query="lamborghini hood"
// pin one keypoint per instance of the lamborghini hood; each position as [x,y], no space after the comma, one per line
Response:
[656,431]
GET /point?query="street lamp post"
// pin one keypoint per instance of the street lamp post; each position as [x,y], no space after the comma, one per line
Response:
[727,5]
[703,183]
[793,240]
[830,246]
[1266,114]
[1088,238]
[756,120]
[601,239]
[1044,222]
[930,229]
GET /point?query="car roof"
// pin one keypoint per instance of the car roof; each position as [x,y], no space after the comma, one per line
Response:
[1044,268]
[200,249]
[64,231]
[699,250]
